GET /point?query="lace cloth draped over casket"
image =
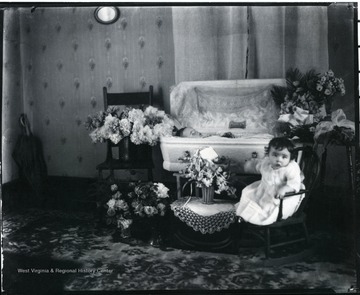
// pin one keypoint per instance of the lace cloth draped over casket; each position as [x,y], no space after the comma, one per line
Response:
[214,104]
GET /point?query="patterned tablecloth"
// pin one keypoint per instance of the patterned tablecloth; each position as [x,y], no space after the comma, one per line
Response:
[202,217]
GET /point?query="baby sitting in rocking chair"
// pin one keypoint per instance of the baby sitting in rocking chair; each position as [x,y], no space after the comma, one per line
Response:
[280,174]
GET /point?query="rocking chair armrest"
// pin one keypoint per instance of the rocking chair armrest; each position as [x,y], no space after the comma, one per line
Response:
[300,192]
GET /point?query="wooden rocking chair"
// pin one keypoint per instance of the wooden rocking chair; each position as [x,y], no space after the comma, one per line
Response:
[310,165]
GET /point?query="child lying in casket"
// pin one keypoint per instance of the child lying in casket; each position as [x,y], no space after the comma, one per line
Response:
[191,132]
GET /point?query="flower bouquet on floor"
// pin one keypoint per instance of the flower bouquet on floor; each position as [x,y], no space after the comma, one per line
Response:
[146,201]
[305,101]
[142,126]
[150,203]
[209,172]
[119,211]
[149,199]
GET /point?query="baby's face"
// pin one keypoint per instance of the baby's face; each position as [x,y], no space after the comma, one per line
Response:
[191,132]
[279,158]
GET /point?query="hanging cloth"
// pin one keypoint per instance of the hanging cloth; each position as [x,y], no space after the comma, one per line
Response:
[28,155]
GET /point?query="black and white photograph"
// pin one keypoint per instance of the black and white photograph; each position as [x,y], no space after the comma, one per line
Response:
[180,148]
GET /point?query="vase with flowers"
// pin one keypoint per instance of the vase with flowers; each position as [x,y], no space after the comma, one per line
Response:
[128,127]
[305,101]
[209,172]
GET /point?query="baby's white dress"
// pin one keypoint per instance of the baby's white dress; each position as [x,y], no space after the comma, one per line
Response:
[258,204]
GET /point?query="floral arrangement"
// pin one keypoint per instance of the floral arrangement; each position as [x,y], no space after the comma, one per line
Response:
[305,132]
[309,92]
[337,130]
[119,209]
[305,101]
[207,172]
[149,199]
[140,200]
[143,126]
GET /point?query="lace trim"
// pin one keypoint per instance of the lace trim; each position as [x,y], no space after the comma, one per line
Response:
[205,224]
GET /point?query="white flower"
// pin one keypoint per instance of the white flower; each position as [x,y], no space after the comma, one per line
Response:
[136,133]
[150,210]
[111,203]
[162,190]
[138,208]
[115,138]
[124,223]
[125,127]
[143,134]
[122,205]
[147,132]
[136,115]
[330,73]
[152,111]
[96,136]
[162,130]
[207,182]
[99,134]
[114,187]
[327,91]
[109,120]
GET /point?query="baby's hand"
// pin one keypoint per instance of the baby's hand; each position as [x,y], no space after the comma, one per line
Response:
[283,191]
[250,166]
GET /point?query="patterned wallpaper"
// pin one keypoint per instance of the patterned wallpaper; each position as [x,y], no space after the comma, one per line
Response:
[56,61]
[12,104]
[68,57]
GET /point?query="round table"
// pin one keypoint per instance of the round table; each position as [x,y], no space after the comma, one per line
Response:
[208,227]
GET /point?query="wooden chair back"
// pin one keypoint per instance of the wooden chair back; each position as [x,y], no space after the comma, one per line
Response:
[309,164]
[128,98]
